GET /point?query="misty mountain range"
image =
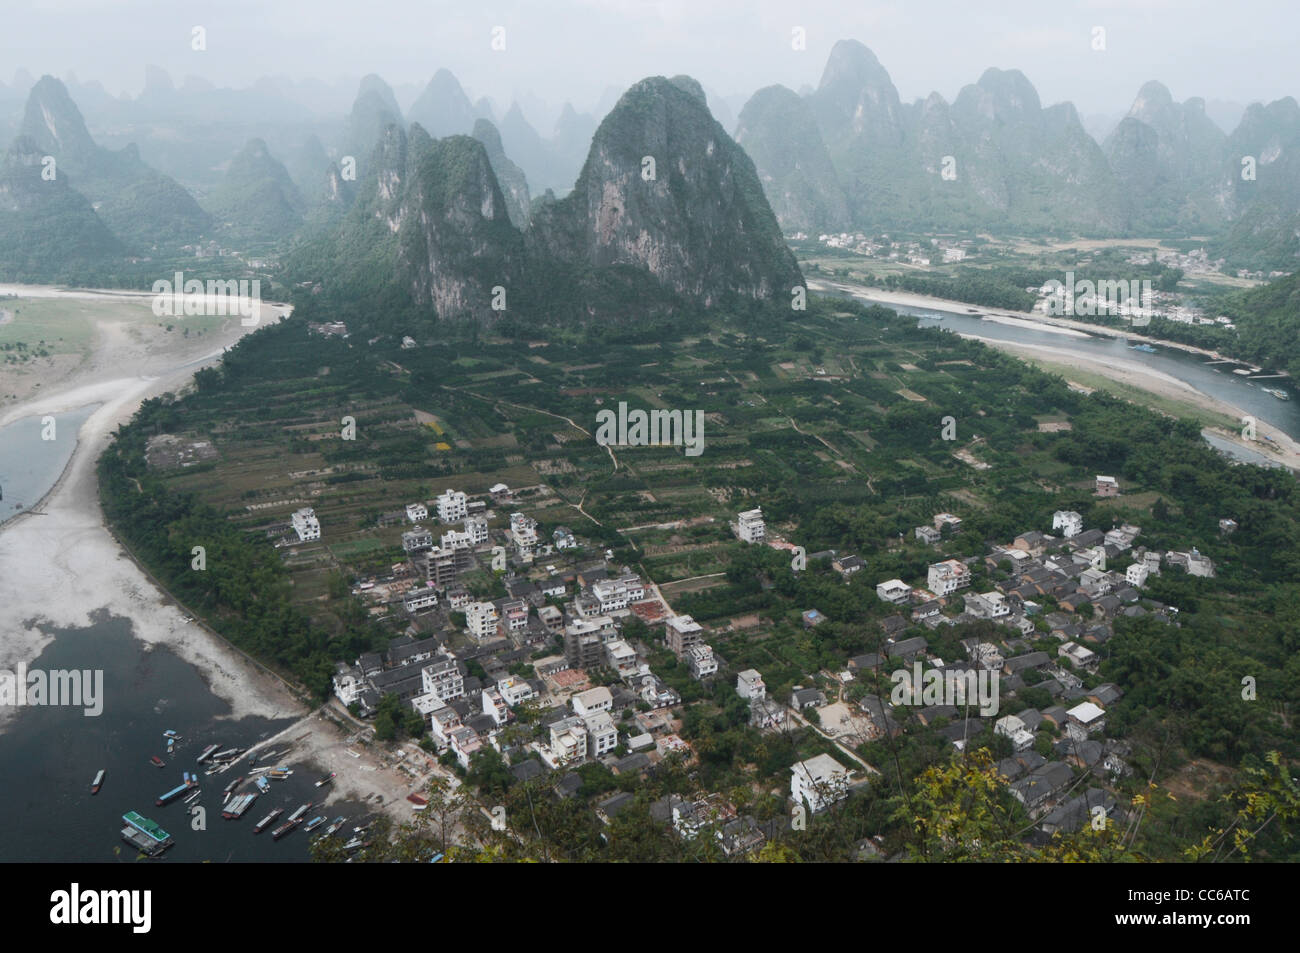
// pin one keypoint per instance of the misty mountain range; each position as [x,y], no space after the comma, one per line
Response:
[847,155]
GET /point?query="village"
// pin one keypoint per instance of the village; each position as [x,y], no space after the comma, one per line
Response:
[550,677]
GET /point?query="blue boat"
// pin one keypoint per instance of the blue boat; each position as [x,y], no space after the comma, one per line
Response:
[172,795]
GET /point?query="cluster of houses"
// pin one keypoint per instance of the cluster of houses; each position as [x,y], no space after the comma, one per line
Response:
[1071,569]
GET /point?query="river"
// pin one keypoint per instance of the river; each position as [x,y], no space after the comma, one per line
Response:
[1216,381]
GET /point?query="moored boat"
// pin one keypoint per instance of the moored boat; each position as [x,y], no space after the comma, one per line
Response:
[268,820]
[145,835]
[334,827]
[314,823]
[325,780]
[157,762]
[96,784]
[207,753]
[283,829]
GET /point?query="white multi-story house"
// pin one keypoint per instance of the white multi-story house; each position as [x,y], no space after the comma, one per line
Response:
[987,605]
[622,658]
[1013,728]
[602,736]
[819,782]
[749,684]
[894,591]
[476,527]
[591,701]
[494,706]
[749,526]
[481,620]
[454,539]
[1068,522]
[568,741]
[417,512]
[415,540]
[515,691]
[947,577]
[443,721]
[1084,719]
[444,679]
[466,743]
[416,600]
[515,615]
[523,530]
[453,506]
[618,592]
[1136,575]
[305,524]
[701,660]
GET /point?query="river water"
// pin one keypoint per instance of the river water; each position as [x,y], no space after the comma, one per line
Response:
[1213,380]
[33,453]
[50,755]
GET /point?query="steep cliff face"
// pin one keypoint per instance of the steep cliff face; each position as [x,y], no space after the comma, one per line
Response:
[666,191]
[514,185]
[455,240]
[667,210]
[777,130]
[139,204]
[429,229]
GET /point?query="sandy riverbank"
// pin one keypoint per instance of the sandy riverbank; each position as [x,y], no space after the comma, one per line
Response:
[60,564]
[1284,449]
[1040,322]
[1140,376]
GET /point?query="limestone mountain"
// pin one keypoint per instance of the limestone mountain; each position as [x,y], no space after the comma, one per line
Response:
[1168,158]
[1028,165]
[525,145]
[309,166]
[257,198]
[429,236]
[777,129]
[1261,181]
[139,204]
[511,178]
[443,109]
[666,192]
[47,228]
[995,158]
[373,111]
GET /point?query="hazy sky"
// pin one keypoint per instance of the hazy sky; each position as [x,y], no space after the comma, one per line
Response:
[573,49]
